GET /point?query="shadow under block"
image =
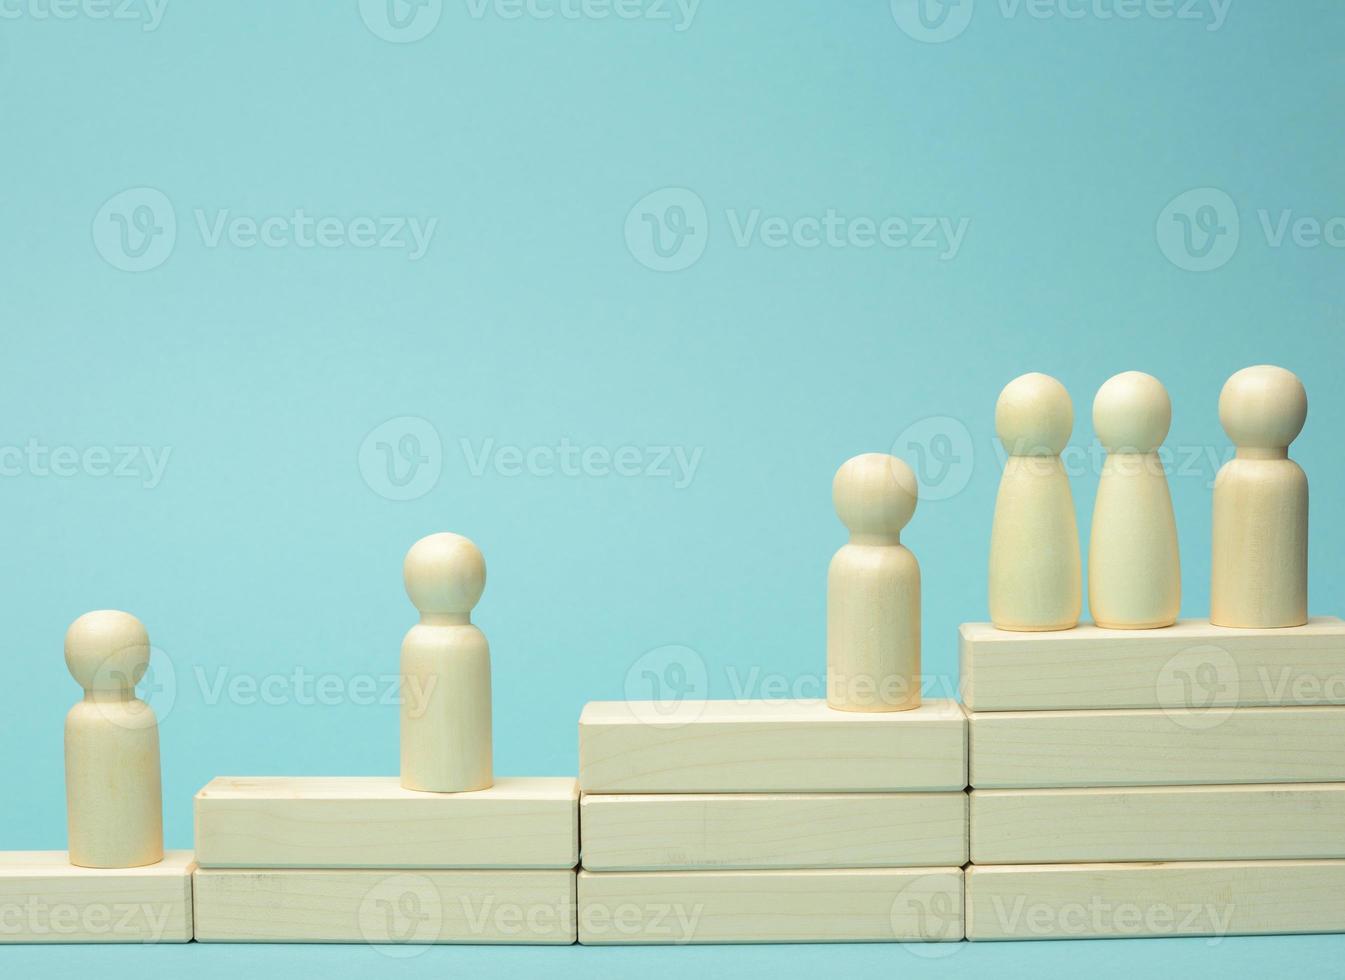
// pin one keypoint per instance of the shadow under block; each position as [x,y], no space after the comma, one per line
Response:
[785,746]
[679,832]
[45,899]
[1048,749]
[385,907]
[1117,901]
[1192,664]
[371,822]
[1159,823]
[821,906]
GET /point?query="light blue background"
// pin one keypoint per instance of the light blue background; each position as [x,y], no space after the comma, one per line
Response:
[266,548]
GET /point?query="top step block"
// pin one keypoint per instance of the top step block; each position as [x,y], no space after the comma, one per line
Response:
[782,746]
[1192,665]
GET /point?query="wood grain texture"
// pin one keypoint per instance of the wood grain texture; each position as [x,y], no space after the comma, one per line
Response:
[835,906]
[1045,749]
[1158,823]
[1113,901]
[385,908]
[1190,665]
[46,899]
[679,832]
[372,822]
[771,747]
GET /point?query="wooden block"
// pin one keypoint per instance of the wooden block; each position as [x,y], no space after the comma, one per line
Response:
[1189,666]
[1044,749]
[385,908]
[831,906]
[770,747]
[682,832]
[46,899]
[1158,823]
[372,822]
[1116,901]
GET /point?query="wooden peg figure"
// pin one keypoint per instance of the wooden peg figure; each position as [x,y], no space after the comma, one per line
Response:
[873,590]
[114,800]
[446,719]
[1134,571]
[1259,563]
[1036,574]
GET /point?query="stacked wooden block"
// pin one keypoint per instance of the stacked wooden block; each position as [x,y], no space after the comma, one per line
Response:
[771,821]
[1170,782]
[362,860]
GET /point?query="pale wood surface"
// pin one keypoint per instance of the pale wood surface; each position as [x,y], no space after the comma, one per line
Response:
[372,822]
[382,907]
[1192,664]
[1097,901]
[690,907]
[675,832]
[771,747]
[1171,823]
[1044,749]
[46,899]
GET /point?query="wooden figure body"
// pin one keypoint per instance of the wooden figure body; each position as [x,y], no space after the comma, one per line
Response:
[873,590]
[1036,575]
[114,798]
[1259,562]
[1134,570]
[446,716]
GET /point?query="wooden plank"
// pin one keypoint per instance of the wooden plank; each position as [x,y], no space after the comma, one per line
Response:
[385,908]
[46,899]
[372,822]
[1118,901]
[677,832]
[770,747]
[1158,823]
[1045,749]
[816,906]
[1192,666]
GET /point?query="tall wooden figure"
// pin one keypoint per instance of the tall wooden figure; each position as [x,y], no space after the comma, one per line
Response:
[446,735]
[1259,564]
[114,799]
[1134,572]
[873,590]
[1036,575]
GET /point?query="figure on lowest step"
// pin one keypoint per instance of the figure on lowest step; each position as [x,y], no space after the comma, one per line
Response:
[1134,572]
[446,736]
[1259,564]
[1036,578]
[113,795]
[873,590]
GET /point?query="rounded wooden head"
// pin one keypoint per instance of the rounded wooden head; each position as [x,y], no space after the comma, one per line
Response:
[107,651]
[444,574]
[1132,413]
[874,494]
[1034,416]
[1263,407]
